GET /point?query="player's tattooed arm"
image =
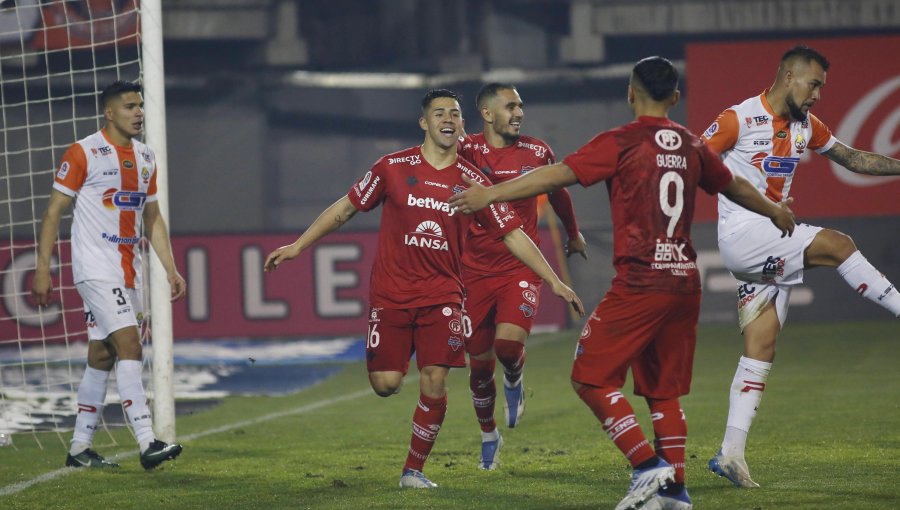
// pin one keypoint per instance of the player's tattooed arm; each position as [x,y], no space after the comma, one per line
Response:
[862,162]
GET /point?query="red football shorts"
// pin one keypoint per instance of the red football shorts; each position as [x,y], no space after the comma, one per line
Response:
[433,333]
[653,334]
[491,300]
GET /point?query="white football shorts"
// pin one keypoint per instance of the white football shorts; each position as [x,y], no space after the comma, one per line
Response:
[109,307]
[766,264]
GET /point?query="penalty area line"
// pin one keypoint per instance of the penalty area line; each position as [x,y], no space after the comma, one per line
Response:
[52,475]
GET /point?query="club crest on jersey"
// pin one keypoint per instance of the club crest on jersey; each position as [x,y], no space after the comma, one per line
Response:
[124,200]
[145,175]
[527,311]
[800,143]
[458,188]
[455,343]
[530,296]
[455,327]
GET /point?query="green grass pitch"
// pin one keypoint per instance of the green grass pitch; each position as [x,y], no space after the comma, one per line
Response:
[826,436]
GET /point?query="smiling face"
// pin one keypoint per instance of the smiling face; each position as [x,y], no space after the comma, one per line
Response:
[503,115]
[124,117]
[442,122]
[804,82]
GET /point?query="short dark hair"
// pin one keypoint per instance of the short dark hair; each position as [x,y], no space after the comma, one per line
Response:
[433,94]
[807,54]
[657,75]
[490,90]
[116,89]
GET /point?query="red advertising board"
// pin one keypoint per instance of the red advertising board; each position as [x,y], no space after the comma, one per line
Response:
[322,293]
[860,103]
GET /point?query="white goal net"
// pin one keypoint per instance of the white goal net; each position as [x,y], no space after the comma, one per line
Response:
[55,58]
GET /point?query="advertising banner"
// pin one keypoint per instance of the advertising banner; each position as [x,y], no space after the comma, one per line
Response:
[322,293]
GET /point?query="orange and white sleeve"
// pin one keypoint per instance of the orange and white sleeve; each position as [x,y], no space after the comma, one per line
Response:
[151,189]
[72,171]
[822,139]
[723,133]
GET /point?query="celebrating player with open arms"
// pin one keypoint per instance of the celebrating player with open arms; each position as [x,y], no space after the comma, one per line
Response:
[765,149]
[416,289]
[502,294]
[114,178]
[648,319]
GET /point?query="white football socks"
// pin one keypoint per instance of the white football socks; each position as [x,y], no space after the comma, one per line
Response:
[746,392]
[91,396]
[134,400]
[870,283]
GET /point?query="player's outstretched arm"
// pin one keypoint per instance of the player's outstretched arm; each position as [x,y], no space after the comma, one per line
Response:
[330,220]
[561,201]
[158,233]
[862,162]
[536,182]
[741,192]
[519,244]
[42,285]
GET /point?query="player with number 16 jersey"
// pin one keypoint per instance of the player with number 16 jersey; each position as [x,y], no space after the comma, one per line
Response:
[416,287]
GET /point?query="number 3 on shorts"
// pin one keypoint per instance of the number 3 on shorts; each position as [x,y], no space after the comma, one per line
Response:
[374,338]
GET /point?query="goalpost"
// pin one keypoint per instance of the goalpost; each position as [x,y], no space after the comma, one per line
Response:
[55,58]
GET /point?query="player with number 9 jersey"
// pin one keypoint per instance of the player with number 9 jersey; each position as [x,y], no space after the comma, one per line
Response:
[647,322]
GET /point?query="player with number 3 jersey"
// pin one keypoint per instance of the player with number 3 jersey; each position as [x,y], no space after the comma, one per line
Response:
[114,177]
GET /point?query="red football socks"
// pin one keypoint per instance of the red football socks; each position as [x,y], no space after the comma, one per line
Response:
[484,391]
[617,418]
[426,424]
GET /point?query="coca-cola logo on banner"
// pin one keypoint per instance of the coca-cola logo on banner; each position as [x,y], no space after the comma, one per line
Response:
[855,124]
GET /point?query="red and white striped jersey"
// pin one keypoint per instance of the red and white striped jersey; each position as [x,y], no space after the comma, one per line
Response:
[111,184]
[763,147]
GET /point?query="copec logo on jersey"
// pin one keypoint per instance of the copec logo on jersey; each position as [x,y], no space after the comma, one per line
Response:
[427,235]
[124,200]
[775,166]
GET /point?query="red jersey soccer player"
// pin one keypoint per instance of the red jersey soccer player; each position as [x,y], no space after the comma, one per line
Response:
[648,319]
[502,294]
[416,288]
